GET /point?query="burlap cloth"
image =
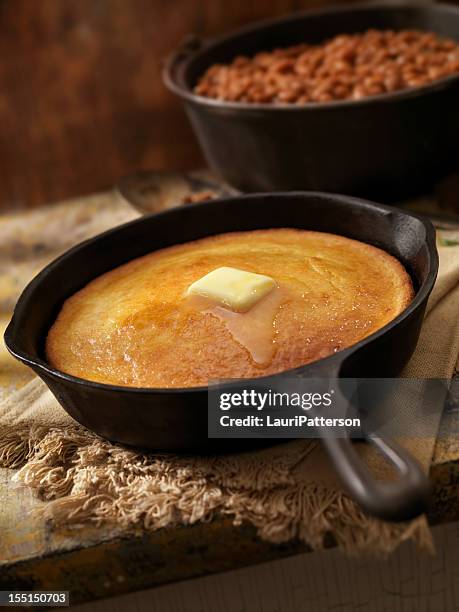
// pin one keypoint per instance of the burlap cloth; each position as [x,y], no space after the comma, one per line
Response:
[289,491]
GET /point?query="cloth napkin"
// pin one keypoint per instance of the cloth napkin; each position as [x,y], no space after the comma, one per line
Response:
[288,491]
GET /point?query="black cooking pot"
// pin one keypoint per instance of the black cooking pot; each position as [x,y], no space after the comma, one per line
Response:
[386,147]
[176,419]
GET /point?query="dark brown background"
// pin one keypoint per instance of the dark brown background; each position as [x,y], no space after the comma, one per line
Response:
[81,97]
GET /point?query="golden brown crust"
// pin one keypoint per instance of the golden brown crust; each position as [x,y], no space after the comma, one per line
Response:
[130,326]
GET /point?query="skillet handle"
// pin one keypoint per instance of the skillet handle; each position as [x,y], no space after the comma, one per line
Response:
[398,500]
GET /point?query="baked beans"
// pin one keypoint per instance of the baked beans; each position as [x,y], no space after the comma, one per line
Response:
[347,67]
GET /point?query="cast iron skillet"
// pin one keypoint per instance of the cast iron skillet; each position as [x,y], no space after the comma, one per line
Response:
[385,147]
[176,419]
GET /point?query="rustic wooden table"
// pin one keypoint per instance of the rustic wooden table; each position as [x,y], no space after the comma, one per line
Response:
[102,562]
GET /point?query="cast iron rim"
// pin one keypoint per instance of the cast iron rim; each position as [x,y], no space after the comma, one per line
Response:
[20,310]
[175,65]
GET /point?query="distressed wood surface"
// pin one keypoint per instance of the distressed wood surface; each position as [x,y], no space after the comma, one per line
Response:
[322,582]
[100,562]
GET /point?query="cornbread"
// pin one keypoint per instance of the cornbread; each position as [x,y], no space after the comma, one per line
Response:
[136,325]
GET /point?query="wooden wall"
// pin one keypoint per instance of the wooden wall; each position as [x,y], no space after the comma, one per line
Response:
[81,98]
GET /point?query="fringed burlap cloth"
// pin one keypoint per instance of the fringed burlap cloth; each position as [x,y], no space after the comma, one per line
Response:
[287,492]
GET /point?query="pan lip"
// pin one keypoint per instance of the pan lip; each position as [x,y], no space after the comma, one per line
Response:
[338,359]
[186,93]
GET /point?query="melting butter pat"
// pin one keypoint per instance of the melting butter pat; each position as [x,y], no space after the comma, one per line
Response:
[235,289]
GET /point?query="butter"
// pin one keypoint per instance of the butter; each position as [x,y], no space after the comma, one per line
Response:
[231,288]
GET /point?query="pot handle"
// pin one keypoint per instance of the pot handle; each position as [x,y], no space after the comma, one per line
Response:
[398,500]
